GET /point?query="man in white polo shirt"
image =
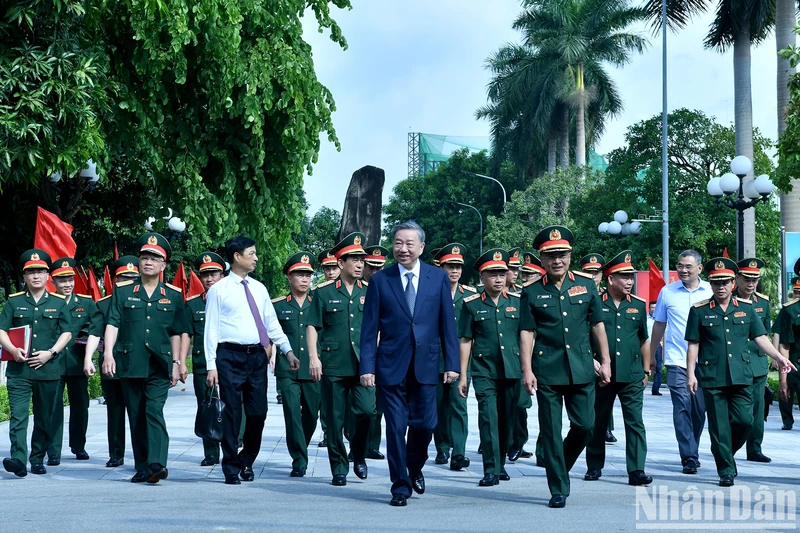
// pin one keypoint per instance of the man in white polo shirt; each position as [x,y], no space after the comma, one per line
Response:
[672,311]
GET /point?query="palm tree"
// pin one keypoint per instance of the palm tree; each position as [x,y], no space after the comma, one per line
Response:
[582,35]
[785,21]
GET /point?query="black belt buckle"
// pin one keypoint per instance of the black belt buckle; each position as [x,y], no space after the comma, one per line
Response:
[252,348]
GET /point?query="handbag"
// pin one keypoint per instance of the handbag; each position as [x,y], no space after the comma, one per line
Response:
[208,422]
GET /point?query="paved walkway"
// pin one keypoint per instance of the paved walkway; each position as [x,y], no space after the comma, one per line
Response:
[86,496]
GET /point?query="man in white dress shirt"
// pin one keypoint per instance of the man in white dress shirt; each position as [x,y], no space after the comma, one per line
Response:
[240,322]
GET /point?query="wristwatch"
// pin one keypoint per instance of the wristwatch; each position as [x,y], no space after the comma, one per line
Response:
[649,373]
[176,362]
[53,353]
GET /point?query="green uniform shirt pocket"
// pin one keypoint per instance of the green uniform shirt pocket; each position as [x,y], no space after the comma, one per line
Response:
[741,327]
[164,313]
[132,311]
[712,327]
[166,351]
[199,321]
[49,320]
[632,323]
[579,306]
[334,315]
[122,356]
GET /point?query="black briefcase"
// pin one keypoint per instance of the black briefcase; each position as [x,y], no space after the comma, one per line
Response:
[768,397]
[208,422]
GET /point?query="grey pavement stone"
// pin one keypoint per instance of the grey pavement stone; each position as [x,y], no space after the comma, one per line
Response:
[87,496]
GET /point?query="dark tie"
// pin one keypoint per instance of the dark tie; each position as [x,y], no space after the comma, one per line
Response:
[411,293]
[262,331]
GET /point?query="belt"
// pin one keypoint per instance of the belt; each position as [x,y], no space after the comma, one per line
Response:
[246,348]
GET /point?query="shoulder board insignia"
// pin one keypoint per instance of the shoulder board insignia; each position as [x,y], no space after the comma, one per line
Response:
[470,298]
[278,299]
[744,300]
[324,284]
[514,294]
[791,302]
[104,298]
[469,288]
[762,296]
[82,295]
[366,283]
[638,298]
[125,283]
[173,287]
[702,303]
[190,298]
[582,274]
[58,295]
[17,294]
[528,283]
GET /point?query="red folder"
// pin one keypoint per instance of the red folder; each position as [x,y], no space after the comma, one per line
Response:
[21,338]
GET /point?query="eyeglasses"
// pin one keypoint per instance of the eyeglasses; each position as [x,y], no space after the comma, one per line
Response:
[685,267]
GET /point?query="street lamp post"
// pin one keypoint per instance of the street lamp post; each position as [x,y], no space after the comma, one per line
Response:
[748,194]
[620,227]
[505,198]
[481,219]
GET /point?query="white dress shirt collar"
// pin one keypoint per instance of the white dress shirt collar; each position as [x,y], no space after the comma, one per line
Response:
[414,270]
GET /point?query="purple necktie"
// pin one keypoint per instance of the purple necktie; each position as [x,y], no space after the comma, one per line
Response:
[262,331]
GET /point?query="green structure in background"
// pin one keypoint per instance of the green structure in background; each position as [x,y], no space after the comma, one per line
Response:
[427,150]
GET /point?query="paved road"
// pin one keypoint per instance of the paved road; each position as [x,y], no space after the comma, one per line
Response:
[86,496]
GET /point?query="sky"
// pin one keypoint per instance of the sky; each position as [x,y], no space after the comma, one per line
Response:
[419,66]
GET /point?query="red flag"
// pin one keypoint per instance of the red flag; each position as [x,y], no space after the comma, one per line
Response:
[656,282]
[107,283]
[195,285]
[725,253]
[84,278]
[116,251]
[94,288]
[80,285]
[53,235]
[180,280]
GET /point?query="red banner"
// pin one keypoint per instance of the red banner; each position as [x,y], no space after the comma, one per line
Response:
[195,285]
[94,288]
[108,285]
[53,235]
[656,282]
[180,280]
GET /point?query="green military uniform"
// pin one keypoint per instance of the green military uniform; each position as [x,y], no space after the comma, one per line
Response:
[724,366]
[562,358]
[325,258]
[336,313]
[144,356]
[376,257]
[759,361]
[530,265]
[626,331]
[48,318]
[793,378]
[493,329]
[301,395]
[452,427]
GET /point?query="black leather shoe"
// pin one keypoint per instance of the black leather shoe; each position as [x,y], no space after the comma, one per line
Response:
[398,500]
[247,474]
[323,443]
[360,469]
[656,393]
[81,455]
[209,460]
[558,501]
[156,473]
[15,466]
[504,476]
[54,460]
[457,462]
[480,448]
[726,480]
[513,454]
[139,477]
[375,454]
[241,444]
[489,480]
[232,480]
[539,463]
[787,427]
[525,454]
[38,468]
[442,458]
[638,477]
[298,472]
[759,458]
[610,437]
[418,483]
[113,463]
[339,480]
[690,467]
[350,457]
[279,400]
[592,475]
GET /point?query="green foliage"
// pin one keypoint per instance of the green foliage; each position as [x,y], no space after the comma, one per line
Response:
[431,201]
[5,407]
[53,88]
[220,106]
[95,391]
[318,233]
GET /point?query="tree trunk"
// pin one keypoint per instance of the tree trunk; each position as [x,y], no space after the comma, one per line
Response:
[785,21]
[552,152]
[563,156]
[580,126]
[743,120]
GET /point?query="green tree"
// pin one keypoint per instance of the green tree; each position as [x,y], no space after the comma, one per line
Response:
[318,233]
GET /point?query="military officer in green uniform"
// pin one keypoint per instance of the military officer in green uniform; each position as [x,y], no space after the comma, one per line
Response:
[125,269]
[531,269]
[301,394]
[514,265]
[35,373]
[86,326]
[787,329]
[718,360]
[330,271]
[488,327]
[374,262]
[746,283]
[146,319]
[335,320]
[625,321]
[452,427]
[519,434]
[563,311]
[210,267]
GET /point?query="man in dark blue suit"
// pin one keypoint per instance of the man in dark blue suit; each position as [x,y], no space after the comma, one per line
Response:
[408,309]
